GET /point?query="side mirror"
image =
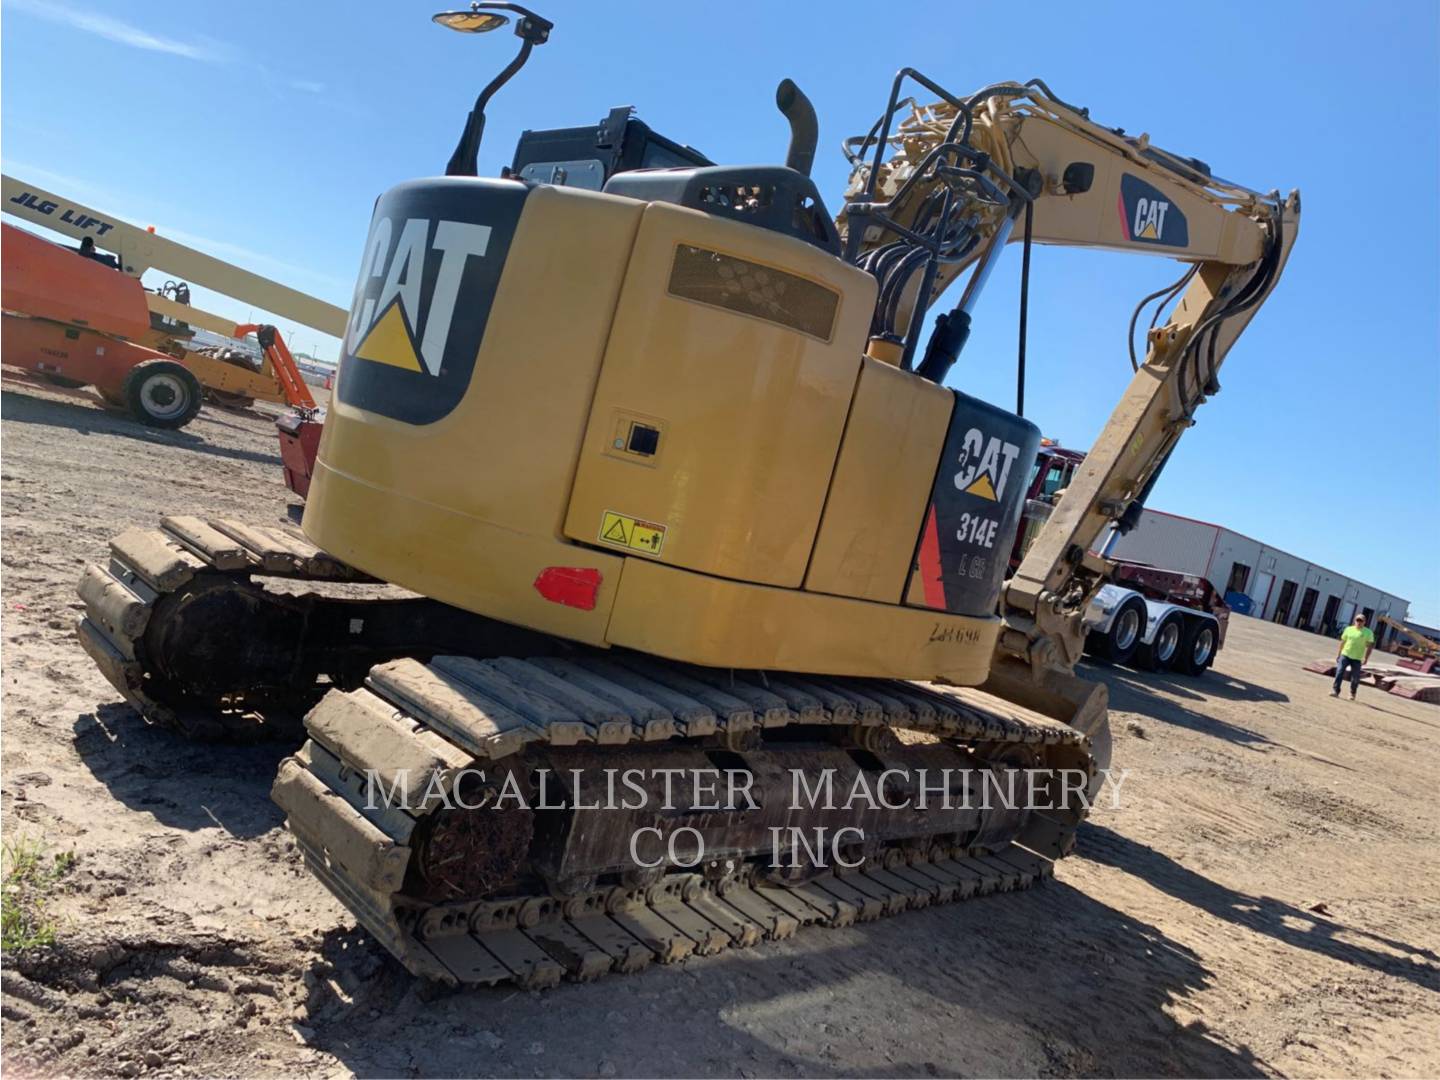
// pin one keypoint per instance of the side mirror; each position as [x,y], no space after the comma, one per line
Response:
[482,17]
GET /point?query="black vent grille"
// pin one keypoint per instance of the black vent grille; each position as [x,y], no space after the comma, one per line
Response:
[747,288]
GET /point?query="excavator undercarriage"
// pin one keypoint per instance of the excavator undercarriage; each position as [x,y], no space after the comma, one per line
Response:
[819,799]
[486,895]
[181,622]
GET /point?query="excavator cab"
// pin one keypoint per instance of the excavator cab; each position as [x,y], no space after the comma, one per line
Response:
[586,157]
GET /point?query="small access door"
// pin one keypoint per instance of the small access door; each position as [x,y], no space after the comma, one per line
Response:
[1261,592]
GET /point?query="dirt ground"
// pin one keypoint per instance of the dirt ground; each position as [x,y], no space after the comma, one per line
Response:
[1263,902]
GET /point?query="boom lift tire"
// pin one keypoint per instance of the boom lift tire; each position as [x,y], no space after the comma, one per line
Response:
[162,394]
[1197,647]
[1159,653]
[1118,644]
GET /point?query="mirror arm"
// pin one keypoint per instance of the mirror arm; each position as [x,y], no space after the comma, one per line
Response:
[466,159]
[532,30]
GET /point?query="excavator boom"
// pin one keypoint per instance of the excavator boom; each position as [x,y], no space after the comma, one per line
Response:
[1017,152]
[1423,646]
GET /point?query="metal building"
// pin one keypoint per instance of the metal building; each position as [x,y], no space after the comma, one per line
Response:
[1271,583]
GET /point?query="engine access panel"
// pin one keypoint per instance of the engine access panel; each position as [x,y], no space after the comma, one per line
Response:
[722,401]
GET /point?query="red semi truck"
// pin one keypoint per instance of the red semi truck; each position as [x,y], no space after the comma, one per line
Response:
[1153,618]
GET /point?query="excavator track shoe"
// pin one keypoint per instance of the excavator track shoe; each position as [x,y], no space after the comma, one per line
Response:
[149,565]
[418,727]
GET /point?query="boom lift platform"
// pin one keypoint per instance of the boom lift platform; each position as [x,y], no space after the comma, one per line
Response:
[72,319]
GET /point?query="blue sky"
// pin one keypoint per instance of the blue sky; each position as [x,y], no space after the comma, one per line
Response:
[263,133]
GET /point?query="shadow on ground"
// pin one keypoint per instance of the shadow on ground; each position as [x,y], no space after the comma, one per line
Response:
[1286,923]
[90,419]
[183,784]
[1155,695]
[1047,1008]
[1213,684]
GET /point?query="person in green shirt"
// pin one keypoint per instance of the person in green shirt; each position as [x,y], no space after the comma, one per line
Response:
[1356,643]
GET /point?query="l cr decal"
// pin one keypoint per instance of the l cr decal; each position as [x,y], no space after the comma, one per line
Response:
[428,279]
[1149,217]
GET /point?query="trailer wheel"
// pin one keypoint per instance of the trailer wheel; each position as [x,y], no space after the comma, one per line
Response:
[1197,647]
[1159,653]
[1119,643]
[162,393]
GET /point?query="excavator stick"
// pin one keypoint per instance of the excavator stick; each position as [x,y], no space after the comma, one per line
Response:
[292,383]
[300,428]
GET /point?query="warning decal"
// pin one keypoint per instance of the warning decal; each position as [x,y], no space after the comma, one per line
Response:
[633,533]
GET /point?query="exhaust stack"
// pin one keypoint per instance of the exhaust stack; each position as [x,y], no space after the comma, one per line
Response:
[804,128]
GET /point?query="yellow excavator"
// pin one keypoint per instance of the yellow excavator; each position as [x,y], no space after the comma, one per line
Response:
[662,455]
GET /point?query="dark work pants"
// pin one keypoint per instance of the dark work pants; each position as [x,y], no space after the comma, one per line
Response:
[1354,669]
